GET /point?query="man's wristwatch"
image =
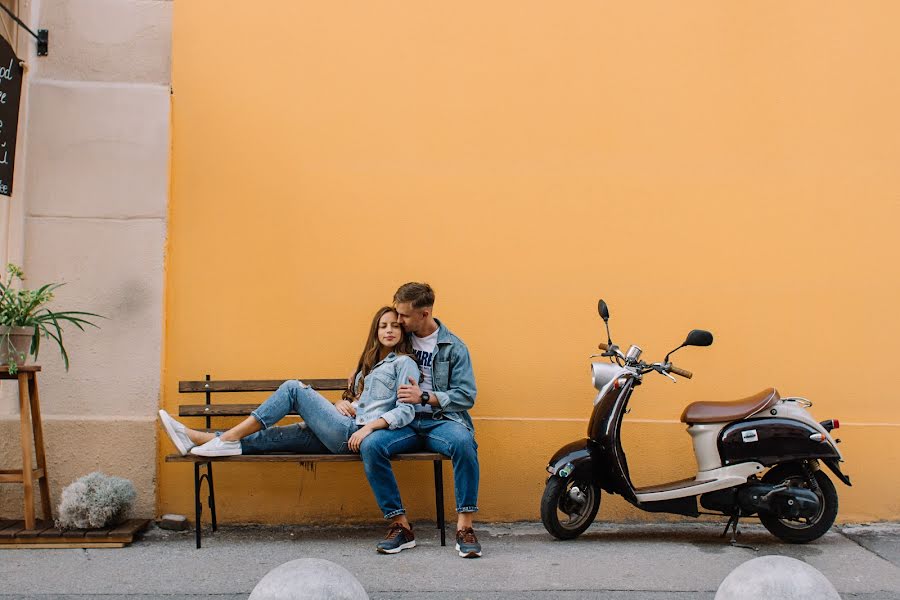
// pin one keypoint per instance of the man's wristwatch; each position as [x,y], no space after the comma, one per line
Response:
[425,398]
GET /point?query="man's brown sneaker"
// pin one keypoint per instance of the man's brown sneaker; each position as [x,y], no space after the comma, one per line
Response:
[467,544]
[398,538]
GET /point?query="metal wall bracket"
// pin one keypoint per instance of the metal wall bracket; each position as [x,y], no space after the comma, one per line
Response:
[43,42]
[42,36]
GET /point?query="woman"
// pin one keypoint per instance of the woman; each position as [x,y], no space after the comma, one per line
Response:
[369,403]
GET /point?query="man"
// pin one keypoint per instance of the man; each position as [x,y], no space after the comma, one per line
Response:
[442,422]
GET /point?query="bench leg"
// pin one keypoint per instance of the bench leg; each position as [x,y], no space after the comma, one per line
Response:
[439,499]
[211,500]
[198,506]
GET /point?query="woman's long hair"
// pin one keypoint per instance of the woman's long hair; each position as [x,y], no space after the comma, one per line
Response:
[371,350]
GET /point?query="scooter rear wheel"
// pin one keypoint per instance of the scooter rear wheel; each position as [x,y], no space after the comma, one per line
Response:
[569,506]
[805,530]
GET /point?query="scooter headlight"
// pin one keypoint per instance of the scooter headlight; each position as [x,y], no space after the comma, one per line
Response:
[603,373]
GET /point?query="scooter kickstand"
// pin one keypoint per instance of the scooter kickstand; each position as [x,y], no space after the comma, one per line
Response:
[733,523]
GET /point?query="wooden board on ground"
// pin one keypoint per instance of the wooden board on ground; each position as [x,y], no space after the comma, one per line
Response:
[42,545]
[39,526]
[44,535]
[11,530]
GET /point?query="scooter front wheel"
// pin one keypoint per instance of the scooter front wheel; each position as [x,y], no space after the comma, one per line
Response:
[569,506]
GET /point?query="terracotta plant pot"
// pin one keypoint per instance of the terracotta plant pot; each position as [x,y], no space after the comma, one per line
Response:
[15,344]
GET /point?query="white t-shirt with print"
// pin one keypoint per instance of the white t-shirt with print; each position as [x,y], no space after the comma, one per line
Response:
[424,348]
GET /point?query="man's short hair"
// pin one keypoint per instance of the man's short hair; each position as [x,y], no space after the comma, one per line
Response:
[419,295]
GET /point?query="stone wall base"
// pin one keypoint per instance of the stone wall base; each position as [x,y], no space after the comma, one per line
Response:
[76,446]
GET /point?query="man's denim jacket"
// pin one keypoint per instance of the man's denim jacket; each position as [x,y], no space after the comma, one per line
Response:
[452,379]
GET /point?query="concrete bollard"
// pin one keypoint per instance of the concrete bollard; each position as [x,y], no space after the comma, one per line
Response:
[779,577]
[309,579]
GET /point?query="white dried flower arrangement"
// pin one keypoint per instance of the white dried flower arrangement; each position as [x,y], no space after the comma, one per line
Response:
[95,501]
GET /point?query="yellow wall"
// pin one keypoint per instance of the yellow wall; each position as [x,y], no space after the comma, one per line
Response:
[725,165]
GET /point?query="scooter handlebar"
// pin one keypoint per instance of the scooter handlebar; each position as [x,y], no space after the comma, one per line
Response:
[671,368]
[681,372]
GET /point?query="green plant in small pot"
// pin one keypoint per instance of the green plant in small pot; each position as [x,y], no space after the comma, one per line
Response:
[25,319]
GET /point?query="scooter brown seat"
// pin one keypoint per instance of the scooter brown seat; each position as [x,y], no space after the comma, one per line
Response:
[722,412]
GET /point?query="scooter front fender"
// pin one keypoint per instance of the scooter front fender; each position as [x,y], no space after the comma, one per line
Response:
[575,458]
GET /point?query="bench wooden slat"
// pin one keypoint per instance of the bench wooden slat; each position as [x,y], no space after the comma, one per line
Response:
[216,410]
[256,385]
[299,458]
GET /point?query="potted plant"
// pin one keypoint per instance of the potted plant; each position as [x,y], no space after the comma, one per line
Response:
[24,320]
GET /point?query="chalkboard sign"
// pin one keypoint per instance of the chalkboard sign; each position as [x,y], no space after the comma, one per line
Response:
[10,93]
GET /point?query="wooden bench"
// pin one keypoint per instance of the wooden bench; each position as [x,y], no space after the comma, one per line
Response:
[208,410]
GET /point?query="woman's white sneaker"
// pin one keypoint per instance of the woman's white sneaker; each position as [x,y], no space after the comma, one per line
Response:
[217,447]
[176,433]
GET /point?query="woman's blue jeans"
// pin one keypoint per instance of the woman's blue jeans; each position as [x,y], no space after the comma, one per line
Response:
[323,430]
[427,434]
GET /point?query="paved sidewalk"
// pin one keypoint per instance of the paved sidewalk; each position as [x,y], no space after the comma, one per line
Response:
[612,561]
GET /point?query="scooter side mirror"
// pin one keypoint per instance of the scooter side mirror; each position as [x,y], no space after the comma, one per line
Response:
[603,310]
[698,337]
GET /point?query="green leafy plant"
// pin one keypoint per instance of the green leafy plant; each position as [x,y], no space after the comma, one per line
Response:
[26,308]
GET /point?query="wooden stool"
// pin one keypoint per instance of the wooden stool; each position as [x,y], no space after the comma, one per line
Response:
[28,396]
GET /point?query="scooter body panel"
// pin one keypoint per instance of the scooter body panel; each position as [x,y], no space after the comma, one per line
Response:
[772,440]
[604,430]
[792,409]
[686,506]
[600,457]
[706,481]
[584,459]
[575,459]
[704,437]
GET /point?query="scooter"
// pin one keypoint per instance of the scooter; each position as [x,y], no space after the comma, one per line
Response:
[760,455]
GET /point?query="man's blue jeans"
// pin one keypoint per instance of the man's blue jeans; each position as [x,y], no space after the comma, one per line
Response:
[428,434]
[323,430]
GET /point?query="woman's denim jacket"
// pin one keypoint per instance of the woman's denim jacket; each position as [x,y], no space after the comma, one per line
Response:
[453,379]
[379,396]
